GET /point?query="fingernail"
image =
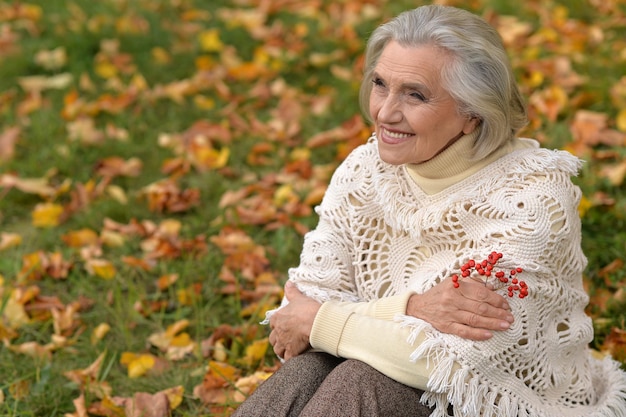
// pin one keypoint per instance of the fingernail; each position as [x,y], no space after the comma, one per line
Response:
[505,325]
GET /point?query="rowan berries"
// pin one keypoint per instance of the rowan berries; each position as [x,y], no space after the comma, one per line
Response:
[485,268]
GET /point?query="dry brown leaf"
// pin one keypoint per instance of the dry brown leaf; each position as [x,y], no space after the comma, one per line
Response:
[145,264]
[166,281]
[115,166]
[84,131]
[32,349]
[9,240]
[8,140]
[615,344]
[147,405]
[39,186]
[87,379]
[53,59]
[615,173]
[41,83]
[108,407]
[349,129]
[247,385]
[216,387]
[79,406]
[166,197]
[591,128]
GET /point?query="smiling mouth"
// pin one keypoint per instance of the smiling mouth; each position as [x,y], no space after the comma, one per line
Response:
[394,136]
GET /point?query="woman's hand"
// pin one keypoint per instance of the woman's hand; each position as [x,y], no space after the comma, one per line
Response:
[291,325]
[471,311]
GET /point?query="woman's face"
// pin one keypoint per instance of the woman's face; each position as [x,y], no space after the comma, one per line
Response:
[415,117]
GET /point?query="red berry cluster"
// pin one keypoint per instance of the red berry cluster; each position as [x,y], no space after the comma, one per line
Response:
[485,269]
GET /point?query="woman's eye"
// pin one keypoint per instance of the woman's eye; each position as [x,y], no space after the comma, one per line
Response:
[378,82]
[418,96]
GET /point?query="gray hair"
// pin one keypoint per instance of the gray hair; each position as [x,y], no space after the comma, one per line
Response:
[479,77]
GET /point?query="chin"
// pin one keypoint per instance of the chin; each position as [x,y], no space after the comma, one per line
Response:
[392,158]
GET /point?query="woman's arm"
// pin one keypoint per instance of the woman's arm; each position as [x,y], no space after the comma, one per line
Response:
[367,331]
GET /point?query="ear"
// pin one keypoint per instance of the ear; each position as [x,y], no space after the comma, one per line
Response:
[471,124]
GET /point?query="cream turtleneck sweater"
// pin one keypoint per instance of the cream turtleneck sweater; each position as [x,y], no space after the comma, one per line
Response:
[455,163]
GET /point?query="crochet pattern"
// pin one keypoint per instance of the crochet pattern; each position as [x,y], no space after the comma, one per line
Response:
[379,235]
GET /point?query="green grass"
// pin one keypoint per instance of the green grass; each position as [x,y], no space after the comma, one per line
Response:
[44,149]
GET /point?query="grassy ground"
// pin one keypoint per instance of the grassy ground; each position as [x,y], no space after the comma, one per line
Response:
[142,81]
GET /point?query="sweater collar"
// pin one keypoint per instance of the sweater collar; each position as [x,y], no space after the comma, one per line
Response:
[453,160]
[451,166]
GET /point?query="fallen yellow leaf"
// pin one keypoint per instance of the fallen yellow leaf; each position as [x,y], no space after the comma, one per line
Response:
[14,313]
[112,239]
[204,102]
[621,120]
[101,268]
[255,351]
[584,205]
[174,395]
[6,333]
[181,340]
[105,69]
[20,389]
[99,332]
[177,327]
[210,40]
[160,55]
[79,238]
[222,370]
[205,157]
[138,365]
[47,215]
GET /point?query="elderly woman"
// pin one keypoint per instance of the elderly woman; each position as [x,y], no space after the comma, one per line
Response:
[444,275]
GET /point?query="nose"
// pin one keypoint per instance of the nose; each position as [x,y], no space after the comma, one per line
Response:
[390,111]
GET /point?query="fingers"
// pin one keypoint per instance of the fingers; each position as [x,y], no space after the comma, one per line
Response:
[471,311]
[478,292]
[291,291]
[289,334]
[274,339]
[470,333]
[482,309]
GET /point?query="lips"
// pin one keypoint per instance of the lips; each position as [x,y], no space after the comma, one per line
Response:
[393,137]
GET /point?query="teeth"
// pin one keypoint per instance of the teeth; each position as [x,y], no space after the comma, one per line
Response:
[397,135]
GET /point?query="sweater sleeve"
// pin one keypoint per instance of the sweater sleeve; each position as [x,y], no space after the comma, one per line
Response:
[367,332]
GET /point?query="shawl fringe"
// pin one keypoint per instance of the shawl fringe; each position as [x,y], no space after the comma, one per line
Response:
[469,395]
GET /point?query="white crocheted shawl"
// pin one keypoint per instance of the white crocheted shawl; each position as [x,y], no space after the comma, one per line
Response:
[380,235]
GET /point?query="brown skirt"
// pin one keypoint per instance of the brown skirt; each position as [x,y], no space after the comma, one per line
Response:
[317,384]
